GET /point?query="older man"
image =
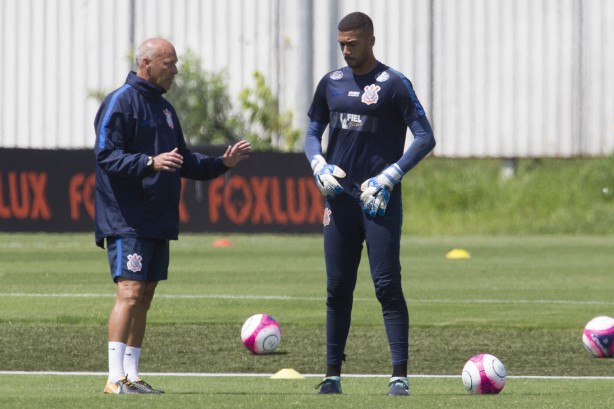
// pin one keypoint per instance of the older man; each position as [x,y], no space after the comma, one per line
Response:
[141,155]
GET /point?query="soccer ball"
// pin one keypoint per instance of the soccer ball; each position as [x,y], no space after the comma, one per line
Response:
[598,337]
[261,334]
[484,373]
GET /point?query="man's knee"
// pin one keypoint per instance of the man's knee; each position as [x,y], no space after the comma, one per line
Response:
[131,292]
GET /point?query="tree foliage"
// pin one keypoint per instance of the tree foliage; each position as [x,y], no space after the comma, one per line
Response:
[268,128]
[208,117]
[203,105]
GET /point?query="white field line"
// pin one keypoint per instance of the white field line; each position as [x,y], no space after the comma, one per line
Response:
[318,299]
[268,375]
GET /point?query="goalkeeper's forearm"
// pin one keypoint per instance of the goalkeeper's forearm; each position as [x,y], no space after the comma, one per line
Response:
[313,139]
[423,143]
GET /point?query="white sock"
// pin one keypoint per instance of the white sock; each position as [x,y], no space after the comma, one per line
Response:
[116,361]
[131,362]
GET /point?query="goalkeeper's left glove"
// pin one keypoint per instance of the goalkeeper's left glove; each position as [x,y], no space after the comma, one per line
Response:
[376,191]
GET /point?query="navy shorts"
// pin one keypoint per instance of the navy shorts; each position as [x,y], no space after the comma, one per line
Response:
[138,258]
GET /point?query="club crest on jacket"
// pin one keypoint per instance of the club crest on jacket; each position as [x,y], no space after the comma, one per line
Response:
[169,118]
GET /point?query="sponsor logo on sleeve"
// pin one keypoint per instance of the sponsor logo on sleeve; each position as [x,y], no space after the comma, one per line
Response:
[337,75]
[382,76]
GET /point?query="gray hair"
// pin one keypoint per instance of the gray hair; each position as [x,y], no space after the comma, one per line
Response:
[145,50]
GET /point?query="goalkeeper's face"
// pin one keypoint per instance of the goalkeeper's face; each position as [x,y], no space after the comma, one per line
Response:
[357,49]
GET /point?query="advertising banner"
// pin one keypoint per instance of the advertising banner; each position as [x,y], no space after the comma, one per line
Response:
[53,191]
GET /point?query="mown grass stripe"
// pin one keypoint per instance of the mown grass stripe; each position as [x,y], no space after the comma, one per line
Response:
[294,298]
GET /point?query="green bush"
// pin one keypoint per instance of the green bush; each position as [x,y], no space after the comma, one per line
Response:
[207,116]
[546,196]
[268,128]
[203,105]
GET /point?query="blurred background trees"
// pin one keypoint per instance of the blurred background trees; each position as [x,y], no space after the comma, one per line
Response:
[208,117]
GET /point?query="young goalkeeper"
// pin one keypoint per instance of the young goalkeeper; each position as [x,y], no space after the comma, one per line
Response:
[368,107]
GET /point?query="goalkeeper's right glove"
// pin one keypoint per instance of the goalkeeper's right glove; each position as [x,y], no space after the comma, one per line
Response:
[325,175]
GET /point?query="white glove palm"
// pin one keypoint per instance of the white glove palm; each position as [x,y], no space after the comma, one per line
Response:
[376,190]
[325,175]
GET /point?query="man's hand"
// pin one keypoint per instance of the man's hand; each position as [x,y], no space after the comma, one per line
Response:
[325,175]
[236,153]
[167,161]
[376,191]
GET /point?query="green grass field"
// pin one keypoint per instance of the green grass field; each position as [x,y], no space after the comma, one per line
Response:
[524,299]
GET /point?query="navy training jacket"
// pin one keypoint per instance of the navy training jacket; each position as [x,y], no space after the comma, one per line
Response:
[132,123]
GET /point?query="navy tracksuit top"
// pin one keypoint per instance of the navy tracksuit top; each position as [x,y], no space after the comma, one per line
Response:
[135,122]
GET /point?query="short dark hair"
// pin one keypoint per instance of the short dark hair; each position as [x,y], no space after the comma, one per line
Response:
[356,21]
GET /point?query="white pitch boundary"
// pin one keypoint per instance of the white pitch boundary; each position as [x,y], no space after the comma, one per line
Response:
[268,375]
[319,299]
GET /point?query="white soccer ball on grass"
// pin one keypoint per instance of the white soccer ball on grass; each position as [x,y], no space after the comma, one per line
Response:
[484,374]
[261,334]
[598,337]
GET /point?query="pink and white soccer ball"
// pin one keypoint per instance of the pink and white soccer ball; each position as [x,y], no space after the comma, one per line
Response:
[261,334]
[598,337]
[484,373]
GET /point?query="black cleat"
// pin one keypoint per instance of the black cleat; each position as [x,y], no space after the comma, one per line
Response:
[330,385]
[398,387]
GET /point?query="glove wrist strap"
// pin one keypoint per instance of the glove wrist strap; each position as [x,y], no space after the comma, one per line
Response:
[391,175]
[317,162]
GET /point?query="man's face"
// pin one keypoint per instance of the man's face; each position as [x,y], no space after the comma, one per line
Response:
[356,47]
[163,67]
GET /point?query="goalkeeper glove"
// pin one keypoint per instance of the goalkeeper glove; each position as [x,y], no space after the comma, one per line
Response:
[325,175]
[376,191]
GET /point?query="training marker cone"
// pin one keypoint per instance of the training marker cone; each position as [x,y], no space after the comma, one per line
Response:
[458,254]
[287,373]
[222,243]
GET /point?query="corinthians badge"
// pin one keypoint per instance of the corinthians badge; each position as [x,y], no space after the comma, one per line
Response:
[370,96]
[169,118]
